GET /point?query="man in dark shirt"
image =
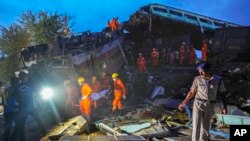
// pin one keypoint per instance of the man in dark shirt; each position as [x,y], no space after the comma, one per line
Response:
[24,95]
[10,108]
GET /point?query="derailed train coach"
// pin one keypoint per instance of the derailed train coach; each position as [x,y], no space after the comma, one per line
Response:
[68,61]
[163,26]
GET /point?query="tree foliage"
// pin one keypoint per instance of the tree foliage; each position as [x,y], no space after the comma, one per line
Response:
[12,40]
[32,28]
[43,26]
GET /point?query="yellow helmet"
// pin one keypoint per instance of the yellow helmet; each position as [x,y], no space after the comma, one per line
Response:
[114,75]
[66,82]
[81,79]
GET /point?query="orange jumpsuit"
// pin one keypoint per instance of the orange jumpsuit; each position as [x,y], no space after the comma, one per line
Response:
[116,23]
[154,57]
[113,24]
[85,104]
[192,56]
[182,53]
[204,52]
[96,87]
[141,64]
[119,91]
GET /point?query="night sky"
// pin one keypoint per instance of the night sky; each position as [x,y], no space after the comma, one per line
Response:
[93,14]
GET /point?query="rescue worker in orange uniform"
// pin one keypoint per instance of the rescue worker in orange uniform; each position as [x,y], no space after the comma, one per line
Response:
[204,51]
[85,101]
[192,55]
[72,99]
[141,64]
[96,88]
[154,57]
[119,92]
[182,52]
[116,22]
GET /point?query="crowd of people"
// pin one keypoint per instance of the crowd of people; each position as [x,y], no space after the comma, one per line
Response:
[20,101]
[90,93]
[185,55]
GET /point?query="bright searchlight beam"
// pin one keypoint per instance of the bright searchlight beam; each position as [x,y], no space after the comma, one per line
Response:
[47,93]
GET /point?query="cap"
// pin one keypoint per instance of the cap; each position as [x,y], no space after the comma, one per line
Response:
[203,66]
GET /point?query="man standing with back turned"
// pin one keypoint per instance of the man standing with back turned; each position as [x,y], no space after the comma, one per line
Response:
[205,88]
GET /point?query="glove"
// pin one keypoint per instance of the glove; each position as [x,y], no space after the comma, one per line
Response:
[84,97]
[124,97]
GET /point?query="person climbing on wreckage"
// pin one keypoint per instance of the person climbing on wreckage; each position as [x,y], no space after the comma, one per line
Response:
[206,88]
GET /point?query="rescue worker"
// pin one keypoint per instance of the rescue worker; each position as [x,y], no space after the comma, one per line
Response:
[154,57]
[96,88]
[182,52]
[192,55]
[105,81]
[116,22]
[204,51]
[176,57]
[119,92]
[24,95]
[72,99]
[171,56]
[129,83]
[141,64]
[206,88]
[164,57]
[10,108]
[85,101]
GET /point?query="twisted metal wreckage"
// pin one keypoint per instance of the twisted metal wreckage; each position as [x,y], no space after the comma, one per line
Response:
[155,118]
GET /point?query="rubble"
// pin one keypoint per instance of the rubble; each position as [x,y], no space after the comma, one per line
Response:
[73,126]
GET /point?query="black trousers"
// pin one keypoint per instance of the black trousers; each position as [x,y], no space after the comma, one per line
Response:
[20,127]
[9,119]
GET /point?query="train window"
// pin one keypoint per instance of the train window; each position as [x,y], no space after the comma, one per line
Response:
[218,24]
[100,66]
[145,9]
[205,21]
[175,13]
[160,9]
[190,17]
